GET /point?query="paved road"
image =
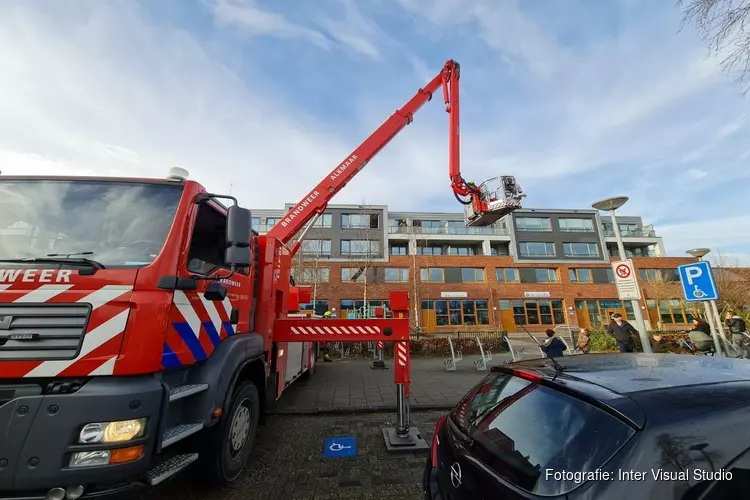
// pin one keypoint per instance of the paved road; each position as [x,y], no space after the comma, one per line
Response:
[287,463]
[352,385]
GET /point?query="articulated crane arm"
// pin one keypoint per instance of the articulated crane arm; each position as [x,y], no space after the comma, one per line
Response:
[479,200]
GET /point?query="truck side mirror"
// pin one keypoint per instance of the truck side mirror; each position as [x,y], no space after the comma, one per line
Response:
[239,233]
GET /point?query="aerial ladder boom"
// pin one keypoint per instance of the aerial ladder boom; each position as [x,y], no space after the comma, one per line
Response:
[484,204]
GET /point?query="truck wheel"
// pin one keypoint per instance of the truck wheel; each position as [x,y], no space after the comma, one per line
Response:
[229,443]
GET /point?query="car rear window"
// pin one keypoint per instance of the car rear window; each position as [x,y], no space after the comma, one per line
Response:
[537,438]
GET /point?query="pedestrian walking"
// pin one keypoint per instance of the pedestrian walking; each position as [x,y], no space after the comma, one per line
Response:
[623,333]
[584,340]
[553,347]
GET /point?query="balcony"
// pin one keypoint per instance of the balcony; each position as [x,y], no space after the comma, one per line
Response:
[453,231]
[640,232]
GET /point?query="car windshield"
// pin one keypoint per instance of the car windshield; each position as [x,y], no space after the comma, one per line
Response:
[113,223]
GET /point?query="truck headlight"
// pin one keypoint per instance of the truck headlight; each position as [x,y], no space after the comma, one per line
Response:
[112,432]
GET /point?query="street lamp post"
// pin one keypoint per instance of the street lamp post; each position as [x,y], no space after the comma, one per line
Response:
[610,205]
[710,310]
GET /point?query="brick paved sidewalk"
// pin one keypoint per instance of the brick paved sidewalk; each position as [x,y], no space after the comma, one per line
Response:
[287,463]
[352,385]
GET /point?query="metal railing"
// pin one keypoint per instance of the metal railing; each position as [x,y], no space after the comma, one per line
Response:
[632,233]
[458,231]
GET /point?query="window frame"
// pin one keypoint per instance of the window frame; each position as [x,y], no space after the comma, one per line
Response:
[568,250]
[503,271]
[546,226]
[547,246]
[400,272]
[369,253]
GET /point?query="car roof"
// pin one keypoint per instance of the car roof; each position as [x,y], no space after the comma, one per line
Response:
[633,373]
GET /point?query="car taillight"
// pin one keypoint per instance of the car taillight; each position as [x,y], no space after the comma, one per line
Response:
[438,425]
[526,375]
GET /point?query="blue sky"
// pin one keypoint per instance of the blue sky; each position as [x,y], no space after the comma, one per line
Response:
[579,99]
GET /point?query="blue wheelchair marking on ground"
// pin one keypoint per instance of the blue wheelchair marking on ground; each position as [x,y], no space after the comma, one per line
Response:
[340,447]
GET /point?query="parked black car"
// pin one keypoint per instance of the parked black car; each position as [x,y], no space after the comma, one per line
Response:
[620,426]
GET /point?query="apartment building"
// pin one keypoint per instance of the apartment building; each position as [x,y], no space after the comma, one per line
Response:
[532,269]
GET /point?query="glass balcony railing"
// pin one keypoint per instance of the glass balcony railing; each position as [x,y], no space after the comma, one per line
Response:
[475,231]
[632,233]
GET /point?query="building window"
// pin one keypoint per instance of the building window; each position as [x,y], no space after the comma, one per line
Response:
[545,275]
[360,221]
[581,275]
[500,250]
[570,225]
[659,275]
[459,312]
[256,223]
[396,275]
[428,226]
[610,275]
[312,275]
[533,224]
[599,311]
[324,221]
[472,275]
[399,249]
[537,312]
[350,308]
[352,274]
[581,249]
[671,311]
[318,307]
[452,275]
[316,247]
[536,249]
[430,250]
[432,274]
[507,275]
[462,251]
[272,221]
[360,247]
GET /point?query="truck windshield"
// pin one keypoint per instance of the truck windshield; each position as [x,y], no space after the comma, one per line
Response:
[113,223]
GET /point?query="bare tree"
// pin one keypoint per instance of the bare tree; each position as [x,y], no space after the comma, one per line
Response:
[733,283]
[362,251]
[659,288]
[306,268]
[724,25]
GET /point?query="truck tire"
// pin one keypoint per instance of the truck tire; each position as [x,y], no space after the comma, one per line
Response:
[225,452]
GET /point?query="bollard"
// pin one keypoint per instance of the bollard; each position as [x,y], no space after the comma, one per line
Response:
[378,363]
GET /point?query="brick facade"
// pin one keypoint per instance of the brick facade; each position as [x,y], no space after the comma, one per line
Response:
[491,290]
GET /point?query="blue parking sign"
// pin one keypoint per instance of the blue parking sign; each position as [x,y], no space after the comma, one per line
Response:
[698,283]
[340,447]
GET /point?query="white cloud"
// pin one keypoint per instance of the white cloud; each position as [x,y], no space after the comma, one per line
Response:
[102,88]
[247,15]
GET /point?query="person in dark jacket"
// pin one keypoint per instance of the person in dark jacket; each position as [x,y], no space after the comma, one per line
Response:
[553,347]
[656,346]
[700,335]
[623,333]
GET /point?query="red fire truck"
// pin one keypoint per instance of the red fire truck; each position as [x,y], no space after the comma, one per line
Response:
[144,325]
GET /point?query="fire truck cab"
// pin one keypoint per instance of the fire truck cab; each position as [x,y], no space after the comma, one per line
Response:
[134,339]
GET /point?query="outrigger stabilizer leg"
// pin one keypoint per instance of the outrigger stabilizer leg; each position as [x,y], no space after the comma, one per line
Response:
[403,438]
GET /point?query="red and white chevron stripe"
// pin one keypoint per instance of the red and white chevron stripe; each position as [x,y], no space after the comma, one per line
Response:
[380,345]
[402,353]
[101,342]
[334,330]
